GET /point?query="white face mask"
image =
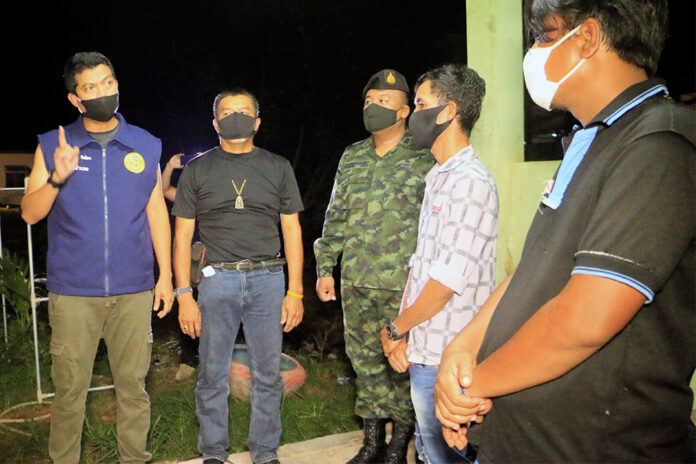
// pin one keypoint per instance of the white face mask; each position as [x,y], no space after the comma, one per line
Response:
[539,87]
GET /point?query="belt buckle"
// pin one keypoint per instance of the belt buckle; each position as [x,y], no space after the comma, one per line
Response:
[243,265]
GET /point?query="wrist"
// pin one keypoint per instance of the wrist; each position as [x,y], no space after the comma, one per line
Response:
[398,326]
[393,333]
[54,181]
[295,287]
[164,275]
[325,270]
[183,292]
[299,295]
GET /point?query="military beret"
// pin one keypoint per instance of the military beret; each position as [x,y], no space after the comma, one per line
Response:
[386,79]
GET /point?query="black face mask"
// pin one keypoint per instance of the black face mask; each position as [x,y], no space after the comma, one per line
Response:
[237,126]
[100,109]
[376,117]
[424,127]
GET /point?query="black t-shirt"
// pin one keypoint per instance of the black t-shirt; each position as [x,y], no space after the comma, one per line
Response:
[628,213]
[205,192]
[103,138]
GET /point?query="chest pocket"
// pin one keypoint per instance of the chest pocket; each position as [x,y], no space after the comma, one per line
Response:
[356,184]
[433,217]
[132,173]
[404,193]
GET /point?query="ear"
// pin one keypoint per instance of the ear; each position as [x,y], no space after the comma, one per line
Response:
[74,101]
[404,111]
[257,124]
[590,33]
[216,125]
[448,113]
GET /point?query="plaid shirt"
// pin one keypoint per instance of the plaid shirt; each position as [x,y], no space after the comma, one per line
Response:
[456,246]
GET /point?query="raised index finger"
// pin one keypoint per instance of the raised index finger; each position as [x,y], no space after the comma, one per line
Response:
[61,136]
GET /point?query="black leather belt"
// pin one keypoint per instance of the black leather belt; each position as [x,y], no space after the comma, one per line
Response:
[248,265]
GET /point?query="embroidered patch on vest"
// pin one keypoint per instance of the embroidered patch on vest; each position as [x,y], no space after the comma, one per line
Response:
[134,162]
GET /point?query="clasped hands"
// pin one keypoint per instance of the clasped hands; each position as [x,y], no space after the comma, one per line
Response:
[454,409]
[395,352]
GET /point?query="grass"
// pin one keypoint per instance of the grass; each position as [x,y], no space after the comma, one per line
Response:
[320,407]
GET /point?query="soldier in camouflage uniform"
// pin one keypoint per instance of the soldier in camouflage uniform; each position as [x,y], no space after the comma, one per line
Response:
[372,218]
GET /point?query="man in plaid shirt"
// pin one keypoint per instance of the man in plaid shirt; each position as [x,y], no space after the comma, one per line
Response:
[452,272]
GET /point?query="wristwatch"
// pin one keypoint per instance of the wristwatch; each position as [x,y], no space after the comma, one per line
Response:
[392,333]
[179,291]
[52,182]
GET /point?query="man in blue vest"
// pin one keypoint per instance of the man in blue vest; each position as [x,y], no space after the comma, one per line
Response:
[97,182]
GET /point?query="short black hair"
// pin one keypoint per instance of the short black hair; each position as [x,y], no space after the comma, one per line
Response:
[234,92]
[635,29]
[460,84]
[78,63]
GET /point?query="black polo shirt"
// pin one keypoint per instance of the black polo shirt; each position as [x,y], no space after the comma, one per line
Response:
[205,192]
[625,211]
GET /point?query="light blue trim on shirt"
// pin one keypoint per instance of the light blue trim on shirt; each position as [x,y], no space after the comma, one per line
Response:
[628,106]
[630,281]
[571,160]
[582,140]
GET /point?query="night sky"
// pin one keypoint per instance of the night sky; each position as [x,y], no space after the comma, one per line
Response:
[306,60]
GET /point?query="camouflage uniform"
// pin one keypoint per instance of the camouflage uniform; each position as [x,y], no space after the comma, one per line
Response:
[372,218]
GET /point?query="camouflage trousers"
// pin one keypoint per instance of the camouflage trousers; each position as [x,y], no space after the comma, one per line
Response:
[381,391]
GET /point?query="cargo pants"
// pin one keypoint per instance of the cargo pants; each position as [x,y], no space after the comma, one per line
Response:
[382,393]
[77,325]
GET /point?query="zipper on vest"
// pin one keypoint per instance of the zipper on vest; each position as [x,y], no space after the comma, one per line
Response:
[106,226]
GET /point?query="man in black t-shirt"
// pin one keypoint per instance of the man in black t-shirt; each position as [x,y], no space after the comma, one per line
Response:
[238,193]
[588,348]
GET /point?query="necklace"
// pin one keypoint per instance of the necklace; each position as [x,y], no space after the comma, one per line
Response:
[239,201]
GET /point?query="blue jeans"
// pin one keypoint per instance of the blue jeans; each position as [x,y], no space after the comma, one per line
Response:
[430,444]
[254,299]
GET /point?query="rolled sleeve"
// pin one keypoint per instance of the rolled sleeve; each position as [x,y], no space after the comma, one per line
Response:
[644,219]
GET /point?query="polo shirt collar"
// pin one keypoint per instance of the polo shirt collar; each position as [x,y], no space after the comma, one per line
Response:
[80,137]
[628,99]
[583,138]
[464,155]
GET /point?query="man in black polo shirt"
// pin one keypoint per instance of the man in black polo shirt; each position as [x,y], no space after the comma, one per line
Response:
[238,193]
[588,348]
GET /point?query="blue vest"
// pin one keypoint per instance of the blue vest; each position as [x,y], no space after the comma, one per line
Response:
[99,241]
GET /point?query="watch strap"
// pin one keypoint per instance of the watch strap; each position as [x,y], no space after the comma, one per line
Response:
[180,291]
[52,182]
[392,333]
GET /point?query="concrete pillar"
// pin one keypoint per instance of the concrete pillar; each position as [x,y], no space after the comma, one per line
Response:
[495,51]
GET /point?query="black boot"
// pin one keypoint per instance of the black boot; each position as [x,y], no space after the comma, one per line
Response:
[398,445]
[374,446]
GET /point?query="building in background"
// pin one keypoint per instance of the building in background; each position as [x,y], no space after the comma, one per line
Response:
[14,167]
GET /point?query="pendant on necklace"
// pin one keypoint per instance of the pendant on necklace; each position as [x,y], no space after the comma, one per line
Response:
[239,203]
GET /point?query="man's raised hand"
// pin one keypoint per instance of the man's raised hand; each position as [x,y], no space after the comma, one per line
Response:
[65,158]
